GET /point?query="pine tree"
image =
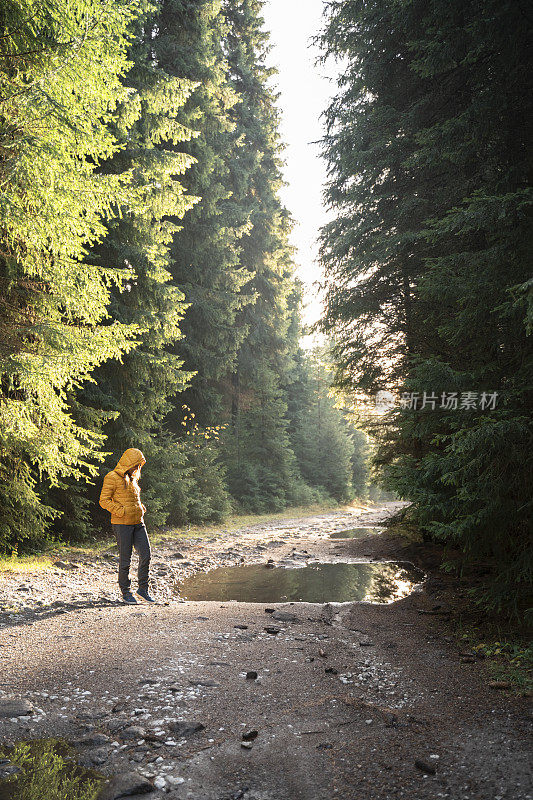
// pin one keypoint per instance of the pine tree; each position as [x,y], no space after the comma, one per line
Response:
[261,464]
[205,262]
[60,81]
[138,391]
[321,437]
[426,259]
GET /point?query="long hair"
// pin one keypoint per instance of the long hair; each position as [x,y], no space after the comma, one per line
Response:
[133,475]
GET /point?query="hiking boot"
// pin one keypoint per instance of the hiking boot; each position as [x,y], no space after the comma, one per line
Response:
[145,597]
[129,599]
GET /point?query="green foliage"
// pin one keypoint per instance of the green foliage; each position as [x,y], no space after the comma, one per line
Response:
[322,441]
[60,82]
[429,277]
[137,392]
[511,661]
[261,467]
[197,485]
[47,774]
[360,462]
[208,500]
[25,518]
[190,43]
[262,472]
[146,271]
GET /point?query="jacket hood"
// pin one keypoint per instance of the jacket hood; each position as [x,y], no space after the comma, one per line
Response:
[128,460]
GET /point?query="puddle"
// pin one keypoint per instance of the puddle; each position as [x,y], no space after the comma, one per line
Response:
[381,582]
[354,533]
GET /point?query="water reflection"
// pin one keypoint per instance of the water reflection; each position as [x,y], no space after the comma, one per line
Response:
[354,533]
[381,582]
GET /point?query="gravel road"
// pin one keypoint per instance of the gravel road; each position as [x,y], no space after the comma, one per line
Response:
[354,701]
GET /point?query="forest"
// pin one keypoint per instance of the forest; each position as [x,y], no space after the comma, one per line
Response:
[428,263]
[149,295]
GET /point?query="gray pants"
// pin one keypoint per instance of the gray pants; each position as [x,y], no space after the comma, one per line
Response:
[128,537]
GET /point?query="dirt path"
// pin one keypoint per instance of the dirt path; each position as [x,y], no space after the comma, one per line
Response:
[351,701]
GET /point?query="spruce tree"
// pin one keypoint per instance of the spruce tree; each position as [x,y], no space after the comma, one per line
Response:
[137,392]
[261,465]
[204,255]
[430,165]
[60,81]
[321,437]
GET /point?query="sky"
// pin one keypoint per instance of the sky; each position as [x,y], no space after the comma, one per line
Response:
[305,91]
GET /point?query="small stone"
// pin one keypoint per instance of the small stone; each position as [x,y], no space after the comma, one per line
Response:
[202,682]
[251,675]
[423,766]
[133,732]
[247,745]
[100,756]
[7,768]
[270,629]
[94,740]
[241,627]
[114,725]
[160,783]
[125,785]
[249,736]
[184,729]
[322,653]
[239,794]
[269,610]
[284,616]
[331,671]
[366,644]
[175,781]
[11,707]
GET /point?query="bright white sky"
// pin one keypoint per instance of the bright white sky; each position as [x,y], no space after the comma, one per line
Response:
[305,92]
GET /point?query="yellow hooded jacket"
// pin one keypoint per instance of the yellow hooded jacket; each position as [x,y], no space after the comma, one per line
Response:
[122,497]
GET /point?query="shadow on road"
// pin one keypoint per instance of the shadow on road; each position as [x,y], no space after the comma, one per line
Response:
[17,619]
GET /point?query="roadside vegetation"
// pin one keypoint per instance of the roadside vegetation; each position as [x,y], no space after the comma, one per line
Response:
[428,265]
[47,772]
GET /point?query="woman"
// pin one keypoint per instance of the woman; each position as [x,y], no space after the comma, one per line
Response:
[121,496]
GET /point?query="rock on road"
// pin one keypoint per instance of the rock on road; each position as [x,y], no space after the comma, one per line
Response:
[353,701]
